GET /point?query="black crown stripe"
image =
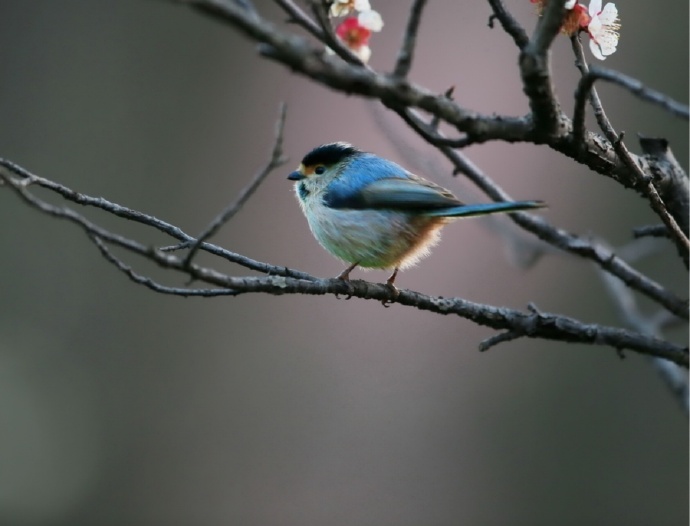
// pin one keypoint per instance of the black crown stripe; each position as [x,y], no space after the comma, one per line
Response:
[329,154]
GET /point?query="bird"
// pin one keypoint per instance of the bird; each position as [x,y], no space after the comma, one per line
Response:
[370,212]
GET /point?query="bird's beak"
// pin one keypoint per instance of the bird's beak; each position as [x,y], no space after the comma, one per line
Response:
[296,176]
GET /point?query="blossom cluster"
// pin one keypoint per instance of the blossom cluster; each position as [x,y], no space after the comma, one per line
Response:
[601,25]
[354,31]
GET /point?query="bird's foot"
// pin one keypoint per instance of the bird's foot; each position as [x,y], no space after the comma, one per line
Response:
[345,277]
[395,292]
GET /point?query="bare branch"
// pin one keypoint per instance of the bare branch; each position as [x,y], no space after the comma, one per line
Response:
[676,234]
[586,92]
[651,231]
[536,73]
[26,179]
[277,159]
[533,325]
[298,16]
[643,182]
[638,89]
[404,62]
[669,178]
[428,132]
[548,125]
[563,240]
[151,284]
[509,24]
[496,339]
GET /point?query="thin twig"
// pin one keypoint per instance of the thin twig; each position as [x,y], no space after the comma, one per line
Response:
[320,12]
[670,179]
[509,24]
[676,234]
[651,231]
[277,159]
[494,340]
[298,16]
[26,178]
[428,132]
[404,62]
[151,284]
[435,119]
[586,92]
[641,91]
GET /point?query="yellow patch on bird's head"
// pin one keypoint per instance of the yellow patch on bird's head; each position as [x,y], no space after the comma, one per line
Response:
[306,171]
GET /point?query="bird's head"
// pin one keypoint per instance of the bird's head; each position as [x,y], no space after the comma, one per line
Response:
[321,165]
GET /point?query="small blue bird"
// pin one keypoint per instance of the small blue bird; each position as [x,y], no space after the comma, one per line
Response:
[370,212]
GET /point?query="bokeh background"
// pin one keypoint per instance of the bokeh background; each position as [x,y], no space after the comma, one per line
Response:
[121,406]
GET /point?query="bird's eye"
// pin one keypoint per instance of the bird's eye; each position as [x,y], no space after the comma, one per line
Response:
[320,170]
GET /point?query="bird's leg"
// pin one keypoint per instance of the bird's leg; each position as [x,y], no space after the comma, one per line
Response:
[391,280]
[390,284]
[345,276]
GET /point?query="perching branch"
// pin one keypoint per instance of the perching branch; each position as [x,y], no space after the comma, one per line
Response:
[531,325]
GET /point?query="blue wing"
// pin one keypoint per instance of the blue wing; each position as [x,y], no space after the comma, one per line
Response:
[376,183]
[373,182]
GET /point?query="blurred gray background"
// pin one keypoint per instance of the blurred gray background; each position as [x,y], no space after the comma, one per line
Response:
[121,406]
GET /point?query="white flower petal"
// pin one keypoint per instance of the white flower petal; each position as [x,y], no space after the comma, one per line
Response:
[370,20]
[363,52]
[362,5]
[594,48]
[594,7]
[609,15]
[595,28]
[608,43]
[570,4]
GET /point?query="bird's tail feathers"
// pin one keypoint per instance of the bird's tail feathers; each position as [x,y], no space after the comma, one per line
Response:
[485,208]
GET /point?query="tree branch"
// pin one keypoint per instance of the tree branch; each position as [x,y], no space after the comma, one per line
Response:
[642,181]
[298,16]
[404,61]
[638,89]
[509,24]
[559,238]
[536,73]
[534,325]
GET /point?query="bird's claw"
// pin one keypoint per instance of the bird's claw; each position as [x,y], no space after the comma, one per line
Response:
[350,287]
[395,292]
